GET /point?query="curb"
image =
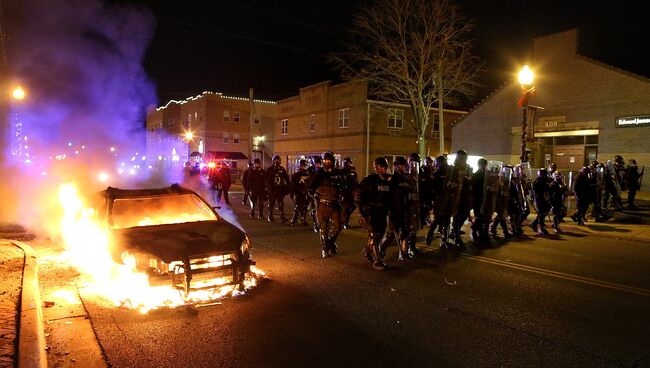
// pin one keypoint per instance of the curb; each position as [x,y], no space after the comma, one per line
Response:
[31,334]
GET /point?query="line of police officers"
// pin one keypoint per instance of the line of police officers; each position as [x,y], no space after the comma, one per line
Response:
[393,207]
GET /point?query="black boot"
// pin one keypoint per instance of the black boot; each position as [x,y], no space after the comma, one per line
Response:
[377,261]
[324,246]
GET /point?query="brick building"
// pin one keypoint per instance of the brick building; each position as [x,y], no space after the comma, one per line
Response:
[591,111]
[342,119]
[220,126]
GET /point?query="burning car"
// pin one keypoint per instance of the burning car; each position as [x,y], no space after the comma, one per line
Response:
[173,234]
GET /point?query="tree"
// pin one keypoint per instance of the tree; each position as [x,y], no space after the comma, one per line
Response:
[416,52]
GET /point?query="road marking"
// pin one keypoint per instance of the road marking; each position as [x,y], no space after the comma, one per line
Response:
[542,271]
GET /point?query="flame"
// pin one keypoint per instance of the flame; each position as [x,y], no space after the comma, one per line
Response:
[88,244]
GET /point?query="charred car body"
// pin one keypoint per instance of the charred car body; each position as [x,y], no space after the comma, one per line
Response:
[172,233]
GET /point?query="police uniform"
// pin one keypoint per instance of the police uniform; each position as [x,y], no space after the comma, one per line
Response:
[257,185]
[327,188]
[277,184]
[373,198]
[299,195]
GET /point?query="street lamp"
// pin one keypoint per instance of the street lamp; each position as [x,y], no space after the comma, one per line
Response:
[18,93]
[526,78]
[188,137]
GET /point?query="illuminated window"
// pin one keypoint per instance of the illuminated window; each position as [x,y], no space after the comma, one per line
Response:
[343,118]
[226,138]
[395,118]
[235,117]
[284,127]
[312,123]
[235,139]
[226,115]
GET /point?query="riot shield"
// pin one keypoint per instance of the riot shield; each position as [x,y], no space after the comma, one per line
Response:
[412,178]
[504,193]
[491,188]
[451,191]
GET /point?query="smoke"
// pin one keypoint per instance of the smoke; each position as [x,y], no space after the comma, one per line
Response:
[80,62]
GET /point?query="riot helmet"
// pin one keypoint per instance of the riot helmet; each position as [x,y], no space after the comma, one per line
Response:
[328,160]
[257,162]
[347,163]
[558,177]
[428,161]
[619,159]
[482,163]
[302,164]
[276,160]
[542,173]
[381,161]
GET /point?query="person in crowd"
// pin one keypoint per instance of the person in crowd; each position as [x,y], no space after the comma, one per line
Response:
[583,192]
[327,188]
[246,184]
[541,194]
[633,179]
[277,185]
[257,181]
[558,191]
[298,194]
[373,198]
[477,182]
[316,165]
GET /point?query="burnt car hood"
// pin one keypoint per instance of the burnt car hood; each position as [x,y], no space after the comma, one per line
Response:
[173,242]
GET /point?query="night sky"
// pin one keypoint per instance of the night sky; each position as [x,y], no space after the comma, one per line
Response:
[279,46]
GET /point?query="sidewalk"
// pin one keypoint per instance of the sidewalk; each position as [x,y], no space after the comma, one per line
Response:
[12,261]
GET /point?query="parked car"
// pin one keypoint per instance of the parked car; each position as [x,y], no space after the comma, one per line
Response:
[172,233]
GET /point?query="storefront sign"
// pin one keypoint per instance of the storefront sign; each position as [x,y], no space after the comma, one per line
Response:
[633,121]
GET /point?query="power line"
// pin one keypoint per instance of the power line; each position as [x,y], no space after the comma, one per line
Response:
[240,36]
[283,18]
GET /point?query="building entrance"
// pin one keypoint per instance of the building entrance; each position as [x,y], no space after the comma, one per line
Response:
[569,157]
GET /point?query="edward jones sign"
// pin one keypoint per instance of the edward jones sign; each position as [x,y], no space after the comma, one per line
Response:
[633,121]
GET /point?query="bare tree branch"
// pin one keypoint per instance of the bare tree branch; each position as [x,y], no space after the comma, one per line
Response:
[415,52]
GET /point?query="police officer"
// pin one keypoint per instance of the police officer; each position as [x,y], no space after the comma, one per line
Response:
[463,208]
[351,182]
[317,164]
[426,190]
[373,198]
[517,203]
[257,184]
[327,188]
[582,191]
[633,178]
[246,183]
[502,204]
[298,193]
[403,210]
[277,184]
[224,181]
[541,192]
[455,178]
[437,185]
[558,192]
[478,179]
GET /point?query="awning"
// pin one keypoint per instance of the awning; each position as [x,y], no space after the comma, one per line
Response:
[222,155]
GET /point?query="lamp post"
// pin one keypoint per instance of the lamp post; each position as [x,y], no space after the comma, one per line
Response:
[526,77]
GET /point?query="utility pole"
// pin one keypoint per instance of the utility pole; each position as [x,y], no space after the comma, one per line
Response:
[442,120]
[251,120]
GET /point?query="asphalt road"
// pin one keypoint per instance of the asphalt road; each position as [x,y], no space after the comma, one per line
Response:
[572,300]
